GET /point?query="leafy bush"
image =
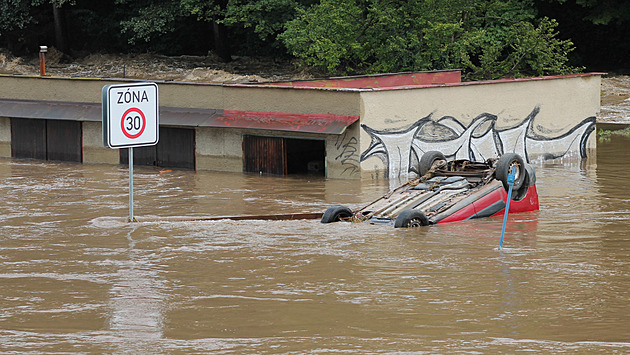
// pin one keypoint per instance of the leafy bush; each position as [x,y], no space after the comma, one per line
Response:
[487,39]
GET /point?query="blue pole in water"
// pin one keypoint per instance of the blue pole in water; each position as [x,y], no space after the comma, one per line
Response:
[511,177]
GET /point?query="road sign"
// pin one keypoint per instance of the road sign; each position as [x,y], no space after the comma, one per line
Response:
[130,119]
[130,115]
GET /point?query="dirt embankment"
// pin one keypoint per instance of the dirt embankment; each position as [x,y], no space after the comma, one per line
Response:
[615,100]
[157,67]
[615,88]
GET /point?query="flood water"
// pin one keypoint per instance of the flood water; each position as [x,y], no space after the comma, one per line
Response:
[76,277]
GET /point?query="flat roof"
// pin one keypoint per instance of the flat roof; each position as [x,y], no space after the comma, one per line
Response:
[363,83]
[187,117]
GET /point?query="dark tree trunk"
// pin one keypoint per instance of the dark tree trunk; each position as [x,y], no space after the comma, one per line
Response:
[221,46]
[60,33]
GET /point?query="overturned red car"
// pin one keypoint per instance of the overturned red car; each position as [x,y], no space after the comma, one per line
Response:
[449,191]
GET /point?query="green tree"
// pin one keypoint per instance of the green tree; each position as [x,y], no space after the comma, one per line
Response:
[17,16]
[328,35]
[150,18]
[14,14]
[486,38]
[228,21]
[265,18]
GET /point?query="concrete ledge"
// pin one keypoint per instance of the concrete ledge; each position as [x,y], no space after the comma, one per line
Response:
[220,163]
[101,155]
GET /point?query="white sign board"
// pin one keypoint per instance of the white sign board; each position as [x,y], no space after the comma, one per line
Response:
[130,115]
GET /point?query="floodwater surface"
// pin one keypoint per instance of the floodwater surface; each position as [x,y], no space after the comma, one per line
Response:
[76,277]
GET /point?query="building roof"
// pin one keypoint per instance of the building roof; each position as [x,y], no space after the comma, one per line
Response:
[186,117]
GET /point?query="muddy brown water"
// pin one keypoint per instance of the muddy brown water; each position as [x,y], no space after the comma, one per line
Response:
[77,279]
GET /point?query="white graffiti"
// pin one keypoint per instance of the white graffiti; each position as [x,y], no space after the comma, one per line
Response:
[400,150]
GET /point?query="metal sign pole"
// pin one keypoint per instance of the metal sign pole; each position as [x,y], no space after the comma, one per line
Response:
[131,219]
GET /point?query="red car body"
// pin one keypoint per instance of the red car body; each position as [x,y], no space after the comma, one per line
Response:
[450,191]
[493,201]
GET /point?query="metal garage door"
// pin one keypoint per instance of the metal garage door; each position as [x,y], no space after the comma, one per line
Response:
[141,156]
[28,138]
[64,140]
[175,149]
[46,139]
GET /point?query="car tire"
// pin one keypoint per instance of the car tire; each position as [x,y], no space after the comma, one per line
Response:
[504,166]
[336,213]
[530,180]
[531,175]
[427,160]
[410,219]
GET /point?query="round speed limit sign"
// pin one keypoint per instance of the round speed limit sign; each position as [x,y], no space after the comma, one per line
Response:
[130,115]
[133,123]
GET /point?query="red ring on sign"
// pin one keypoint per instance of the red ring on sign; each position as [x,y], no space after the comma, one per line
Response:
[122,123]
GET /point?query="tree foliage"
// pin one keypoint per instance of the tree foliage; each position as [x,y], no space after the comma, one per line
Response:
[14,15]
[150,19]
[487,39]
[226,19]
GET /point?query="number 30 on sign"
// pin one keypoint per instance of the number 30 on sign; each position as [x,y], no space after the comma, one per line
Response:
[130,115]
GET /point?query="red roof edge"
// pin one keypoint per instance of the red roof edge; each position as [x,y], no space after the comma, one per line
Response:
[285,121]
[376,80]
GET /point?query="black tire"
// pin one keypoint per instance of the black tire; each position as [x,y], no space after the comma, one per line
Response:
[531,175]
[411,219]
[336,213]
[427,160]
[504,166]
[530,180]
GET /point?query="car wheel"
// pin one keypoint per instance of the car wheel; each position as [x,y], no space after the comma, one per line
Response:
[504,166]
[530,180]
[427,160]
[411,219]
[531,175]
[336,213]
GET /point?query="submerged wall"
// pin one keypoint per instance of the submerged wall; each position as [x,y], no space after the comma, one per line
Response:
[536,118]
[5,137]
[547,117]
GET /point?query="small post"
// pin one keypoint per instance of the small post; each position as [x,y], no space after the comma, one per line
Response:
[42,60]
[131,219]
[511,177]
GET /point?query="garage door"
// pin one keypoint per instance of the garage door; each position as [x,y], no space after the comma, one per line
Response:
[283,156]
[46,139]
[175,149]
[265,155]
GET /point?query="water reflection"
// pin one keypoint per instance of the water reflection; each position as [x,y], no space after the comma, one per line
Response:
[136,298]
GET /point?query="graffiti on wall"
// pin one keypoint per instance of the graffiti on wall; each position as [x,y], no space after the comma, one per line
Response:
[346,153]
[401,149]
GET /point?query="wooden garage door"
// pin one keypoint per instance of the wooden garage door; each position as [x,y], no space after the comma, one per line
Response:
[265,155]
